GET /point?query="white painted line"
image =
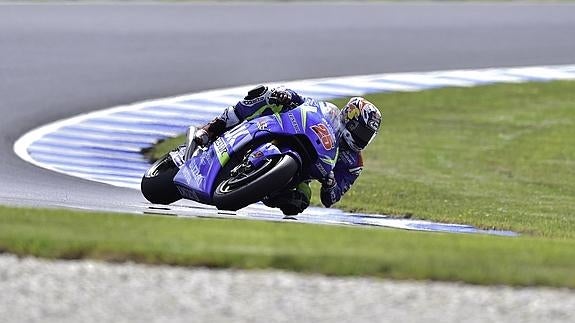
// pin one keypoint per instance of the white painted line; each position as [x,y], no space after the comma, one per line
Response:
[131,130]
[428,79]
[67,151]
[97,136]
[89,161]
[491,76]
[82,143]
[541,72]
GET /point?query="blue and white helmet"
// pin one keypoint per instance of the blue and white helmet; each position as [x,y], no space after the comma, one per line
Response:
[362,120]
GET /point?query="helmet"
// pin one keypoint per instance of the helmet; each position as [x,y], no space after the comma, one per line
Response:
[361,120]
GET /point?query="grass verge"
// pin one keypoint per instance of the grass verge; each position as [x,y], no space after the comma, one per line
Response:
[306,248]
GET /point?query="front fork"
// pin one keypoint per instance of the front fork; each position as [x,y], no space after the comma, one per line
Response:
[185,151]
[190,142]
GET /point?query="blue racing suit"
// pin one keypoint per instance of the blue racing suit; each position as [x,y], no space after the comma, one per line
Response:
[264,101]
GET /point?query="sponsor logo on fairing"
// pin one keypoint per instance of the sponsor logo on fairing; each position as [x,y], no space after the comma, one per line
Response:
[187,174]
[196,175]
[206,157]
[294,122]
[220,146]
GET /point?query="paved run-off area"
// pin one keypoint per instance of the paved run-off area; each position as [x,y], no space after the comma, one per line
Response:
[74,291]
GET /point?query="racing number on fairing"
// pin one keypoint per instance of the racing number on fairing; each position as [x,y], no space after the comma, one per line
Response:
[324,135]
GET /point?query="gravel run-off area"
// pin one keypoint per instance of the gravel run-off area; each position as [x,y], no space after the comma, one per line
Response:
[33,290]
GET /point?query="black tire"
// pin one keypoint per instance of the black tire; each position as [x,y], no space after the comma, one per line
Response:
[234,194]
[157,184]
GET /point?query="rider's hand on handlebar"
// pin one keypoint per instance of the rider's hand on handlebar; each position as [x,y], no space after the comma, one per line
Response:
[280,97]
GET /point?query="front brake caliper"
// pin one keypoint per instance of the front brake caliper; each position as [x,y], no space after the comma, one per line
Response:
[242,168]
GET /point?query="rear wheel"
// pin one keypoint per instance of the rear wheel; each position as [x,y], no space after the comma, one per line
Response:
[247,184]
[158,182]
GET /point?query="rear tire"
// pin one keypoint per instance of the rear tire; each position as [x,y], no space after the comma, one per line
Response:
[158,182]
[234,193]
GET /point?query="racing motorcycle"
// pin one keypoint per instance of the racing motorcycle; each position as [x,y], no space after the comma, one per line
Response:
[253,160]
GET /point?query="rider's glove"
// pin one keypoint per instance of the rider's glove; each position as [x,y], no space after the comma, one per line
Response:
[280,97]
[201,137]
[328,181]
[329,190]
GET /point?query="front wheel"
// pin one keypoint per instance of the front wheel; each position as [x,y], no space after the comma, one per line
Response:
[158,183]
[248,185]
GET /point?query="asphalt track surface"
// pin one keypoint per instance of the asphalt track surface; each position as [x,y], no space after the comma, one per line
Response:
[57,61]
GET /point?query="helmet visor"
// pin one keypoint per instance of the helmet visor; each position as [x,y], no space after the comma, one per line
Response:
[362,134]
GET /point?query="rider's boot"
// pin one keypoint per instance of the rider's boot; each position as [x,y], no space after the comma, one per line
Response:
[291,202]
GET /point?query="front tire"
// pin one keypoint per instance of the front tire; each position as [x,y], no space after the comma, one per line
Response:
[158,182]
[236,192]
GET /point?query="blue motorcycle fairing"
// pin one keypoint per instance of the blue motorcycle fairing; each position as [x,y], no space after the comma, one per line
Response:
[197,177]
[259,155]
[190,179]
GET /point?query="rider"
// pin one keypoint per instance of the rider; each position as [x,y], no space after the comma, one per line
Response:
[360,117]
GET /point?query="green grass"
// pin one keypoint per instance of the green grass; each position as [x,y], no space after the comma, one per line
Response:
[499,156]
[298,247]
